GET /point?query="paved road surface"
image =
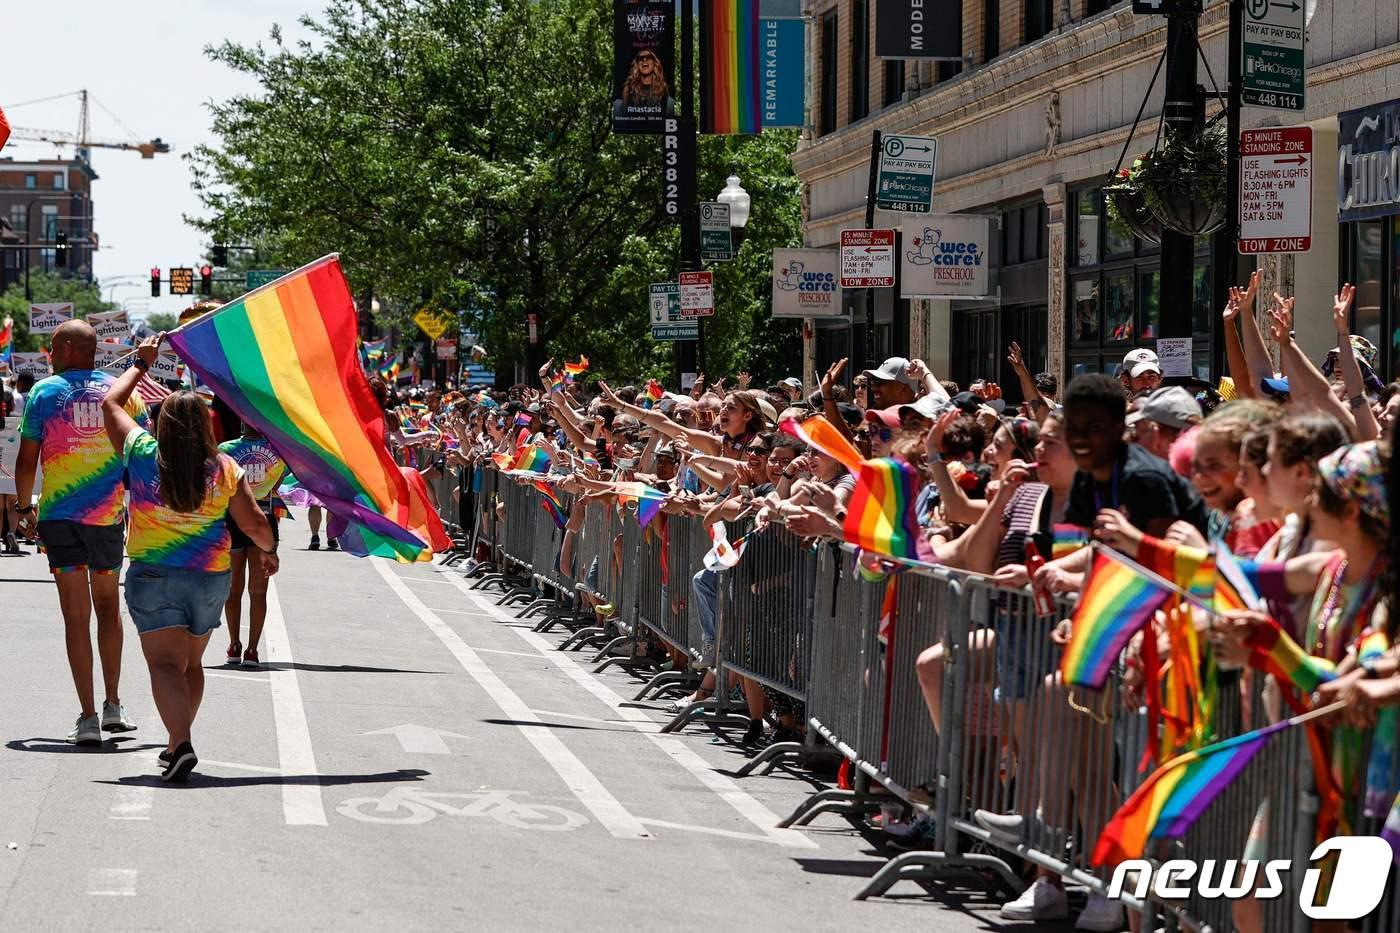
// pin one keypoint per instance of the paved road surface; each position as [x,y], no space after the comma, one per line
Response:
[410,761]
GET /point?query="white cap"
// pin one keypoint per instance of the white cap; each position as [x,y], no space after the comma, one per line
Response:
[1139,361]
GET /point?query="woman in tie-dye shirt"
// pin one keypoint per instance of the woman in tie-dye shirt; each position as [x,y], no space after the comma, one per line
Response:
[181,489]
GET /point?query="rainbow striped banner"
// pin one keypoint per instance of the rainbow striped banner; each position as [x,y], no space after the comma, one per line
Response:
[284,358]
[730,98]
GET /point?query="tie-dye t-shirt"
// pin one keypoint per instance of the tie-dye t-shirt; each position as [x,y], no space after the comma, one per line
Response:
[260,462]
[196,540]
[82,473]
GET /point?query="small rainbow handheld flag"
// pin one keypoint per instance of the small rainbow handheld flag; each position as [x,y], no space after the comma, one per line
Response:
[1234,589]
[1117,601]
[284,358]
[522,419]
[648,500]
[1176,794]
[880,516]
[1275,651]
[729,67]
[654,392]
[531,459]
[549,501]
[6,337]
[575,369]
[554,382]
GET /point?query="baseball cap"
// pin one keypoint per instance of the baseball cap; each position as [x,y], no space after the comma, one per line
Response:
[1172,406]
[889,417]
[792,382]
[769,412]
[1139,361]
[966,402]
[849,413]
[926,406]
[894,369]
[1277,386]
[667,451]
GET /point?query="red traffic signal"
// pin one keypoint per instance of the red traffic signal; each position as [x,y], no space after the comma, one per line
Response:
[206,280]
[155,281]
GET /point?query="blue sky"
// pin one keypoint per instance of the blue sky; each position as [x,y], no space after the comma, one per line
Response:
[145,62]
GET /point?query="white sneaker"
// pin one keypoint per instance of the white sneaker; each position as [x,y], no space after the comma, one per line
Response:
[86,731]
[1006,825]
[1041,901]
[114,718]
[1100,915]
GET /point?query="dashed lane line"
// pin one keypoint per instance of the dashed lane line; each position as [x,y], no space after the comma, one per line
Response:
[584,784]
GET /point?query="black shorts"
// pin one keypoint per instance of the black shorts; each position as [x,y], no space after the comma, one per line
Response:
[73,546]
[238,541]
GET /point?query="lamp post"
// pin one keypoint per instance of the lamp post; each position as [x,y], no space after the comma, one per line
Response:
[739,205]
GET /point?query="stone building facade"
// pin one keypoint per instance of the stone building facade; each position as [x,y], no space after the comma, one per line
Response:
[1029,125]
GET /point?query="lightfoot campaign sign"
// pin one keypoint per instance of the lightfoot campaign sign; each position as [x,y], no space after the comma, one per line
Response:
[945,256]
[805,283]
[45,318]
[111,325]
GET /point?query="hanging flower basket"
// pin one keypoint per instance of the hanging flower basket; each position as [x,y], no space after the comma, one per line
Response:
[1179,187]
[1191,203]
[1128,205]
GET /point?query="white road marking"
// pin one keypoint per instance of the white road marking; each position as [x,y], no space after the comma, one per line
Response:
[519,654]
[227,676]
[573,772]
[554,715]
[301,803]
[132,803]
[419,740]
[238,766]
[112,882]
[713,831]
[678,751]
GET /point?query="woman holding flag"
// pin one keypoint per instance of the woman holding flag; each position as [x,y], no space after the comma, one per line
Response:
[182,489]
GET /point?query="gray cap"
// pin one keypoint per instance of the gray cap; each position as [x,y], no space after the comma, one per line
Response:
[927,406]
[793,382]
[1172,406]
[894,369]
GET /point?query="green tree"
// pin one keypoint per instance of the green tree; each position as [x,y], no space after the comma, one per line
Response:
[161,320]
[458,154]
[48,287]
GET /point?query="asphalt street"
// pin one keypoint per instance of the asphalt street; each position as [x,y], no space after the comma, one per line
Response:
[409,758]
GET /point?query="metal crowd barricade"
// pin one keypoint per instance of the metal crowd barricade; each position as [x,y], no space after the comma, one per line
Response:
[768,617]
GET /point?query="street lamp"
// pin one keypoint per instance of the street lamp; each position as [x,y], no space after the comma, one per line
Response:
[739,203]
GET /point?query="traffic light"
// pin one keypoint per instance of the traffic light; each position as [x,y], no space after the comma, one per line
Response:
[206,280]
[220,255]
[60,250]
[155,281]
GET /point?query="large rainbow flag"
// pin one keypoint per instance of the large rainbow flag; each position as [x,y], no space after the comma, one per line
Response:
[730,87]
[1176,794]
[284,358]
[7,338]
[880,515]
[4,129]
[1117,601]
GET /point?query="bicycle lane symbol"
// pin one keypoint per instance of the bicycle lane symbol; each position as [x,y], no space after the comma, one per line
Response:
[409,806]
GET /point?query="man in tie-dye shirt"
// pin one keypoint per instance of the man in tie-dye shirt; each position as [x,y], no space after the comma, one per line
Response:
[80,515]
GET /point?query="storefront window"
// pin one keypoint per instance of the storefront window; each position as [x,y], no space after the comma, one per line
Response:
[1118,307]
[1087,228]
[1086,311]
[1370,245]
[1119,240]
[1149,303]
[1200,305]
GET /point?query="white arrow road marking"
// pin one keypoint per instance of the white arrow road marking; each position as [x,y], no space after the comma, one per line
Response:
[574,773]
[419,740]
[674,747]
[301,802]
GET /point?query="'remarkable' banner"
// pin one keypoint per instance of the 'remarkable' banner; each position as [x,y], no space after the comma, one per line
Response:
[782,48]
[643,65]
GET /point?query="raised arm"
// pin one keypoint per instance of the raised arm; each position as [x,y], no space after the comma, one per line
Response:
[1236,366]
[1305,381]
[1256,354]
[119,423]
[956,505]
[833,413]
[1367,428]
[1032,395]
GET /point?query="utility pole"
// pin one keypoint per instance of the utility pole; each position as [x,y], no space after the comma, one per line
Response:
[1184,115]
[1224,251]
[690,354]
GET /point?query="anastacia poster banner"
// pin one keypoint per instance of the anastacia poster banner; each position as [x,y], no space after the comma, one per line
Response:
[643,65]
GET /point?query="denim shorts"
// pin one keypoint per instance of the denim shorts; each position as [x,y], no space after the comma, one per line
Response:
[160,597]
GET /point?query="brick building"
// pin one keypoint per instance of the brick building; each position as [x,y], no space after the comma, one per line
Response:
[38,200]
[1030,123]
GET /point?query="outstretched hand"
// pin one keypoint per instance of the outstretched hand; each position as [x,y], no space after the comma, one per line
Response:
[1341,305]
[833,374]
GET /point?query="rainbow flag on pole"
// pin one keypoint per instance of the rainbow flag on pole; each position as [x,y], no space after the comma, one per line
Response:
[730,98]
[1176,794]
[549,501]
[880,516]
[284,358]
[1117,601]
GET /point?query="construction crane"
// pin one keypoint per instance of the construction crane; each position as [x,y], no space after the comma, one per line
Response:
[82,140]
